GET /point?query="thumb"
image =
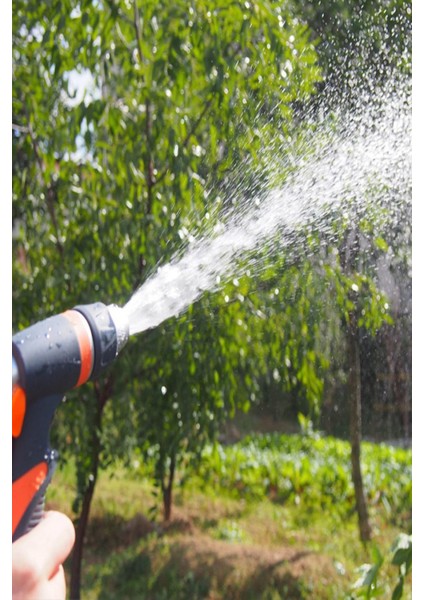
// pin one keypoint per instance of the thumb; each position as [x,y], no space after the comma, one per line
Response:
[50,542]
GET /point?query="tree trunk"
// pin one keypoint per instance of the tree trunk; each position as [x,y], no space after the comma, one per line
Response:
[102,395]
[75,584]
[356,427]
[167,489]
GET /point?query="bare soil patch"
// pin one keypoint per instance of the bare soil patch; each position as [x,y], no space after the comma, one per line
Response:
[239,571]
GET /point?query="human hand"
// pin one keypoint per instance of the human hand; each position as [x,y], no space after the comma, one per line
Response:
[37,557]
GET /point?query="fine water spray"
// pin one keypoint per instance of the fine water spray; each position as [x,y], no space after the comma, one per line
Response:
[64,351]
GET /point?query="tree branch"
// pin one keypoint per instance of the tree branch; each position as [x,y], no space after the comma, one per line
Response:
[20,128]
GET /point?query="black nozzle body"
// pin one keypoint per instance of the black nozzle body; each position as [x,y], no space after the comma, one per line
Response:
[49,359]
[64,351]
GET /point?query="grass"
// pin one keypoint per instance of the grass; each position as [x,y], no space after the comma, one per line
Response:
[218,547]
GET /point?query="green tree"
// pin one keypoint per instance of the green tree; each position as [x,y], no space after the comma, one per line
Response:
[105,186]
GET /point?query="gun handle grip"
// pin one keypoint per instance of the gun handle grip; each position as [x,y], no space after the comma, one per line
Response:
[28,494]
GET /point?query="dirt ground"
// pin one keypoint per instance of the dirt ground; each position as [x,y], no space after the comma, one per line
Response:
[242,570]
[235,570]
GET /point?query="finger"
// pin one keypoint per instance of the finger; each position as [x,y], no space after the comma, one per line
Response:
[49,543]
[58,531]
[56,586]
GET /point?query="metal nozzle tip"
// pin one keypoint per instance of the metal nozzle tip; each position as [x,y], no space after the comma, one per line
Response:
[122,325]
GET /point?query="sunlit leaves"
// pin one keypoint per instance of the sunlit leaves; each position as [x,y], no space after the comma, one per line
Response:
[308,470]
[126,116]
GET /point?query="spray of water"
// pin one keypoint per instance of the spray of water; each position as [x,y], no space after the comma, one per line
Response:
[349,151]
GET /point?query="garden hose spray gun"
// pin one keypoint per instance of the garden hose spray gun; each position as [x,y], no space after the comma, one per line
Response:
[49,359]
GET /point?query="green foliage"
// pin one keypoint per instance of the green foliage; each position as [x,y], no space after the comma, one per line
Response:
[306,426]
[148,565]
[311,471]
[366,586]
[402,558]
[108,185]
[181,101]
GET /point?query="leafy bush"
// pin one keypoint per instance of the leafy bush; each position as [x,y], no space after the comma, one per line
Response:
[314,471]
[367,585]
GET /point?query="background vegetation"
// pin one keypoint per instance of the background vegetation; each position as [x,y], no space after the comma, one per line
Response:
[179,100]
